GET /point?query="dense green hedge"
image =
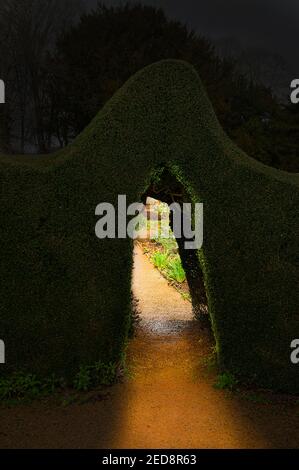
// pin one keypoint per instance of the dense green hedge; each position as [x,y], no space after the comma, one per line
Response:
[65,295]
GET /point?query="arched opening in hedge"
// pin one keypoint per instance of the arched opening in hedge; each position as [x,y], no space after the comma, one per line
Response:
[167,189]
[65,295]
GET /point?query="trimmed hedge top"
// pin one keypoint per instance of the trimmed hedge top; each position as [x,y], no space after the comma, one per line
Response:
[65,295]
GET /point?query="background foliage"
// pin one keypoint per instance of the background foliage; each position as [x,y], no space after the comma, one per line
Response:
[61,69]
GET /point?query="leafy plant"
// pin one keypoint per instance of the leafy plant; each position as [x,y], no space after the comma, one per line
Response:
[160,260]
[105,374]
[82,381]
[169,244]
[226,381]
[175,270]
[20,385]
[97,374]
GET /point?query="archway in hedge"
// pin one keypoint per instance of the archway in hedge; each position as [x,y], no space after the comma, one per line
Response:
[167,189]
[72,305]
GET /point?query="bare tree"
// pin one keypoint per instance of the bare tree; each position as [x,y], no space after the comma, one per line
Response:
[28,31]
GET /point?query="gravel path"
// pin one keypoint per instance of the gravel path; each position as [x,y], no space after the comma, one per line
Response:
[167,400]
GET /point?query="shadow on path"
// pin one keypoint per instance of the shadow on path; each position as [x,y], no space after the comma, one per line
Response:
[167,400]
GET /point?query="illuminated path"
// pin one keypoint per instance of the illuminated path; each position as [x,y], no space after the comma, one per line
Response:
[167,399]
[163,310]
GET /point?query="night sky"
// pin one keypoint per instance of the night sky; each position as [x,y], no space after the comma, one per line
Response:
[268,24]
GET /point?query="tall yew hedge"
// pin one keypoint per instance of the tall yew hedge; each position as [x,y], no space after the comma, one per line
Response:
[65,295]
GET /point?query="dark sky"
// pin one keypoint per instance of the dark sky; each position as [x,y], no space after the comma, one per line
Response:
[271,24]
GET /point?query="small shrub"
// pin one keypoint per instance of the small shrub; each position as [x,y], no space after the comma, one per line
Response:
[160,260]
[92,376]
[175,270]
[82,381]
[226,381]
[169,244]
[21,386]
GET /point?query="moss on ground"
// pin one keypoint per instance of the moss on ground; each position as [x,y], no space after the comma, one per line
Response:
[65,295]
